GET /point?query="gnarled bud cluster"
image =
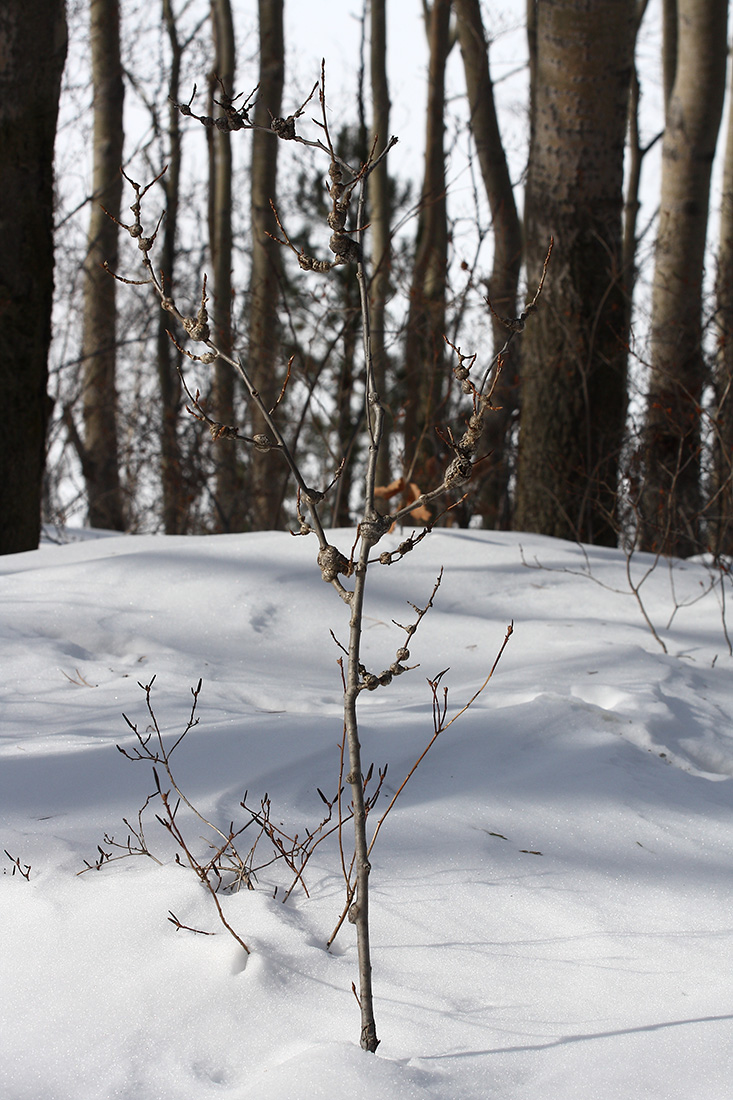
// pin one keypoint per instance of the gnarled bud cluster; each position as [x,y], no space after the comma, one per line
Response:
[284,128]
[368,681]
[332,562]
[394,555]
[345,249]
[196,328]
[371,531]
[222,431]
[309,263]
[459,470]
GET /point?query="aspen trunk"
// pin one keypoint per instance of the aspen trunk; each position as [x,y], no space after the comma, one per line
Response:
[670,504]
[502,287]
[229,495]
[424,381]
[100,451]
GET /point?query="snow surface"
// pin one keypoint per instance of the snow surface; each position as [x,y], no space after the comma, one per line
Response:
[551,896]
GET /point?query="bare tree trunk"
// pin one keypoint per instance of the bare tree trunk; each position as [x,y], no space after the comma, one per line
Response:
[175,496]
[722,498]
[264,287]
[507,254]
[381,214]
[670,503]
[32,53]
[424,357]
[229,496]
[99,453]
[573,355]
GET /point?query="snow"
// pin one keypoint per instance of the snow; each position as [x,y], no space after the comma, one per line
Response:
[551,895]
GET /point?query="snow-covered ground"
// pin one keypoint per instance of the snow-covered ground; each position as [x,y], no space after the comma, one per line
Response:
[552,894]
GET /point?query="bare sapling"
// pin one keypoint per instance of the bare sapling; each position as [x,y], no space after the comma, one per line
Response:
[346,571]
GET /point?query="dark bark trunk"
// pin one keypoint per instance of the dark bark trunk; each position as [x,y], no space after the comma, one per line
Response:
[264,287]
[175,495]
[32,53]
[573,352]
[502,286]
[424,372]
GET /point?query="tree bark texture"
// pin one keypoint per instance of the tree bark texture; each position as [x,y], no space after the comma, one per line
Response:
[424,382]
[573,354]
[229,493]
[721,509]
[100,450]
[502,285]
[32,54]
[670,502]
[173,484]
[264,287]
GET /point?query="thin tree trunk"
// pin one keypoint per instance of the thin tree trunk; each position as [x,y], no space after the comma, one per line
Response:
[507,256]
[229,495]
[573,354]
[264,287]
[381,213]
[100,453]
[424,349]
[359,910]
[175,502]
[32,53]
[670,504]
[348,428]
[722,500]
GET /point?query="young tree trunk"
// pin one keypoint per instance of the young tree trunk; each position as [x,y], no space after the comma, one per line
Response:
[573,353]
[424,382]
[32,53]
[264,287]
[229,493]
[670,503]
[504,278]
[175,496]
[722,497]
[99,452]
[380,216]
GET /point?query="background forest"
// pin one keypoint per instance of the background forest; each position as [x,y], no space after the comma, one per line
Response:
[613,422]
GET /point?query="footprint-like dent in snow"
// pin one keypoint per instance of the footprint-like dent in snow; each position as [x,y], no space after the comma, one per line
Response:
[263,619]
